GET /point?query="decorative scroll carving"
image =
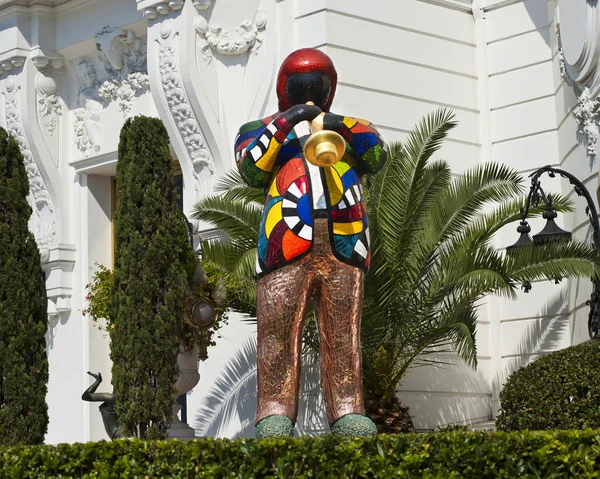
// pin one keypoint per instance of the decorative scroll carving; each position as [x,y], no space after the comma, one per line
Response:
[184,116]
[561,60]
[587,114]
[49,106]
[45,227]
[247,37]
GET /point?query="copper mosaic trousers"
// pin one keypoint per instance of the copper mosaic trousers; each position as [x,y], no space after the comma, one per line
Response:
[283,296]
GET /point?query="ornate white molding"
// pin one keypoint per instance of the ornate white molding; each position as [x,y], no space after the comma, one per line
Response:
[49,105]
[45,225]
[247,37]
[126,66]
[9,64]
[122,79]
[86,118]
[182,112]
[587,114]
[577,24]
[124,91]
[152,10]
[58,262]
[561,60]
[202,5]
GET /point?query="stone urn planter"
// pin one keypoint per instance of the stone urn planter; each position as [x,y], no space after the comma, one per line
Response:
[187,380]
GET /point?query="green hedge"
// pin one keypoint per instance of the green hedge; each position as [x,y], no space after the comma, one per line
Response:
[558,391]
[440,455]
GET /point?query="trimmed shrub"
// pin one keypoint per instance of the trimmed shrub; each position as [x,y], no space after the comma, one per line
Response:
[153,260]
[558,391]
[23,309]
[457,454]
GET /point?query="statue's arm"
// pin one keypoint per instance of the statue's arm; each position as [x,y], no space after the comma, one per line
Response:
[258,143]
[365,142]
[91,395]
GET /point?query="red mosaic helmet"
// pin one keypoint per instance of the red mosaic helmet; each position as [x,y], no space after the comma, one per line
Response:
[305,75]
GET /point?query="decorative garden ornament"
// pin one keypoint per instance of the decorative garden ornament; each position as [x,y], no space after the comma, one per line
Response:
[313,244]
[107,408]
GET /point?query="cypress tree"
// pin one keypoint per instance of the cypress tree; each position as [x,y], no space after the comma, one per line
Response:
[23,309]
[153,259]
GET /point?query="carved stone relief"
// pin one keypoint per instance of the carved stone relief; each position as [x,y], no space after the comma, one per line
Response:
[182,112]
[587,114]
[87,117]
[45,226]
[122,78]
[49,105]
[246,37]
[561,60]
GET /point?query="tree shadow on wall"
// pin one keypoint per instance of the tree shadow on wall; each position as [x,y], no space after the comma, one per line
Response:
[232,398]
[542,337]
[233,395]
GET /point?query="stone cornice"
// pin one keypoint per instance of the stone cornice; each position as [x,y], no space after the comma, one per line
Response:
[154,8]
[30,3]
[9,62]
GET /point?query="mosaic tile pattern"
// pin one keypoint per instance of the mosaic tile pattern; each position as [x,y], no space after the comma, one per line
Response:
[269,155]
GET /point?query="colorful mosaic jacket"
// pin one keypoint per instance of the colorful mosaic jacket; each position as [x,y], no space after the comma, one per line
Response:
[269,155]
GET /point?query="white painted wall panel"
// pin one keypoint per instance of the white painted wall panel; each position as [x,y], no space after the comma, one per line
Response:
[408,81]
[516,19]
[533,336]
[523,119]
[394,43]
[519,52]
[412,16]
[395,112]
[528,153]
[521,85]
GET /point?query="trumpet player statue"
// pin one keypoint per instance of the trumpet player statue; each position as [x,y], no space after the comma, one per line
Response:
[313,242]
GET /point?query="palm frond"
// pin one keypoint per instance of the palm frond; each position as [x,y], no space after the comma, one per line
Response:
[555,260]
[233,187]
[235,218]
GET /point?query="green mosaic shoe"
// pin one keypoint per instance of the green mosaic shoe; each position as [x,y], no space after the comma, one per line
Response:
[277,425]
[354,425]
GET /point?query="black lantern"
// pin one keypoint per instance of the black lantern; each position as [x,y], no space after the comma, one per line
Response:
[551,232]
[524,240]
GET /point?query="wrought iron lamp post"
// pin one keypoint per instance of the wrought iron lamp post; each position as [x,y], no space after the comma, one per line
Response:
[552,232]
[201,311]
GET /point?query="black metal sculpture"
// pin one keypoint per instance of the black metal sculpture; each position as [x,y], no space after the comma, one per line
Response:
[107,408]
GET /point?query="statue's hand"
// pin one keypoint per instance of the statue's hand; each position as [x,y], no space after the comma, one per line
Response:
[299,113]
[95,376]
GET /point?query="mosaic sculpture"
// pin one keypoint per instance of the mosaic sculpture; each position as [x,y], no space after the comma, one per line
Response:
[313,242]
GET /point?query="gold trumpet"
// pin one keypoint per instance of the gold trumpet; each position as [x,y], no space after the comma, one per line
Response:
[323,147]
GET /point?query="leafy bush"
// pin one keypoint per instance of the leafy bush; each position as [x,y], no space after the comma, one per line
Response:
[23,315]
[441,455]
[558,391]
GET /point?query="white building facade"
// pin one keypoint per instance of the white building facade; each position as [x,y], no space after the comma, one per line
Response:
[72,72]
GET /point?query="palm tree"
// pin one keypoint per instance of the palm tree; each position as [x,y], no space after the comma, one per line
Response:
[433,260]
[433,257]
